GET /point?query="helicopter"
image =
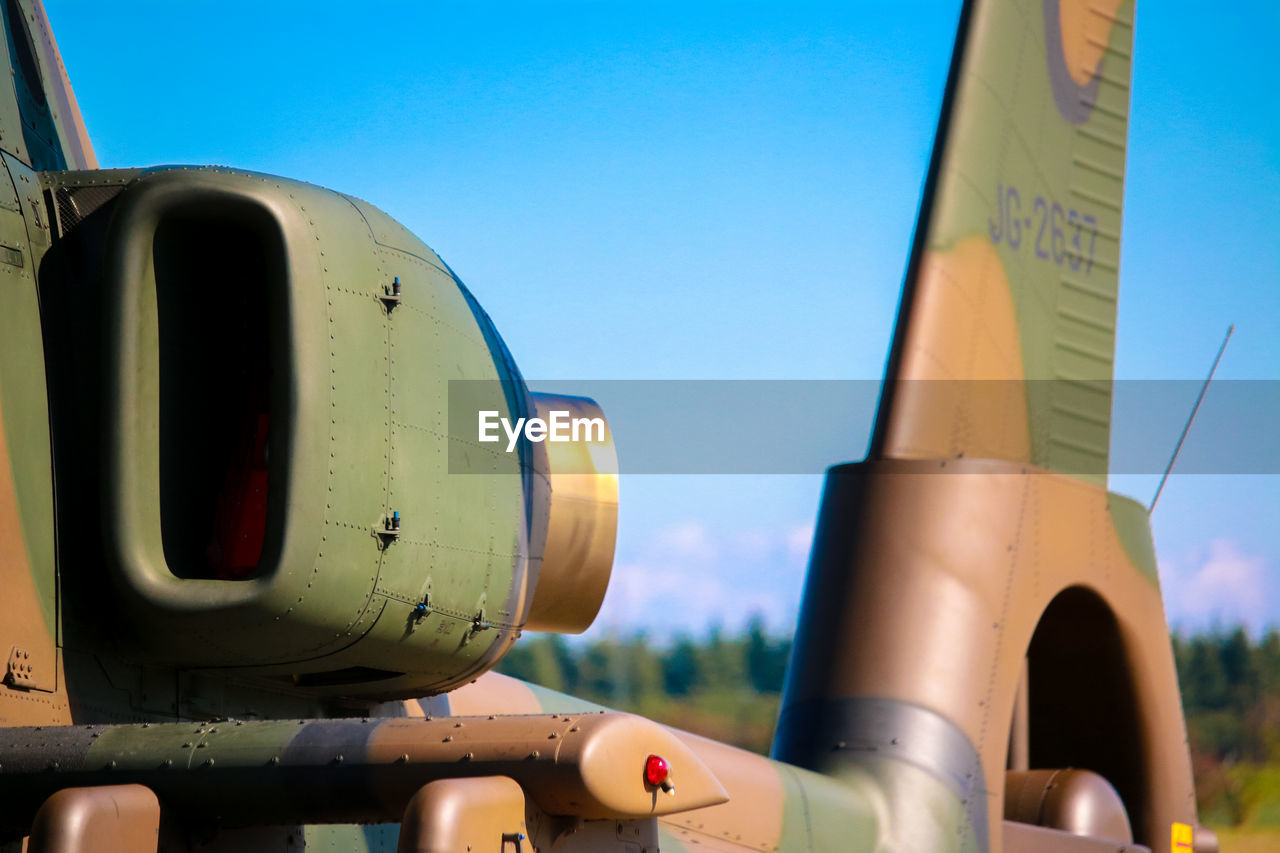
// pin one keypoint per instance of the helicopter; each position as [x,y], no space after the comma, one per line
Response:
[260,563]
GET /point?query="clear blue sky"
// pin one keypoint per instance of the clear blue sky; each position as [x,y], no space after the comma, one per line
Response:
[714,190]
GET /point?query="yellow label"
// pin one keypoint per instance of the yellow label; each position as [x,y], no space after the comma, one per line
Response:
[1181,839]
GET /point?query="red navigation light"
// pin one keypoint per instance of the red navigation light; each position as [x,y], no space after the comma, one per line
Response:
[656,770]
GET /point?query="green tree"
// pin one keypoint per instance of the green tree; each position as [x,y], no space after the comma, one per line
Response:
[518,663]
[643,671]
[566,661]
[547,667]
[1205,686]
[1239,672]
[1267,662]
[681,667]
[723,662]
[596,672]
[542,660]
[766,658]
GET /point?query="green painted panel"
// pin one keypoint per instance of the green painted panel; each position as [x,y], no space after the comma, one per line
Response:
[1133,527]
[823,813]
[668,842]
[1033,163]
[24,406]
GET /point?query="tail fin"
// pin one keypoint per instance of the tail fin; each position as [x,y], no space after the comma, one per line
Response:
[930,596]
[1008,311]
[40,121]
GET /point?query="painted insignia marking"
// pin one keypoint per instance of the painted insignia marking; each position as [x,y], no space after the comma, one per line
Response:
[1076,36]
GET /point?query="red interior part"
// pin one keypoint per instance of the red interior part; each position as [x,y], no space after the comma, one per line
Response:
[242,506]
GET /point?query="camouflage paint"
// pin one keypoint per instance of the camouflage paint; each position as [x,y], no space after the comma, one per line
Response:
[238,773]
[77,151]
[928,583]
[34,692]
[361,432]
[772,806]
[993,296]
[1037,103]
[983,505]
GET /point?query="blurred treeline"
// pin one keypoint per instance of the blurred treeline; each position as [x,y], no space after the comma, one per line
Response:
[727,686]
[1231,695]
[723,686]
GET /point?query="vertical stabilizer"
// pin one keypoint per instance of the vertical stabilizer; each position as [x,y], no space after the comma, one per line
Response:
[40,121]
[1005,335]
[978,546]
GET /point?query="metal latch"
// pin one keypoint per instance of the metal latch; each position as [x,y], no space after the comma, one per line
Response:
[391,294]
[388,530]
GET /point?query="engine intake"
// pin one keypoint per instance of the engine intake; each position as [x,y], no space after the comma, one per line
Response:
[275,487]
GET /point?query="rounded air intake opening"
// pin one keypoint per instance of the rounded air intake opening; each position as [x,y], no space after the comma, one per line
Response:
[219,279]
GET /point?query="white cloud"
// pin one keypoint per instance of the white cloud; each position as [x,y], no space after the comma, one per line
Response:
[753,542]
[800,540]
[687,577]
[1219,587]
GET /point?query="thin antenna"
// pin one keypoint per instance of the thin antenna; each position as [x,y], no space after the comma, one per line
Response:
[1187,428]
